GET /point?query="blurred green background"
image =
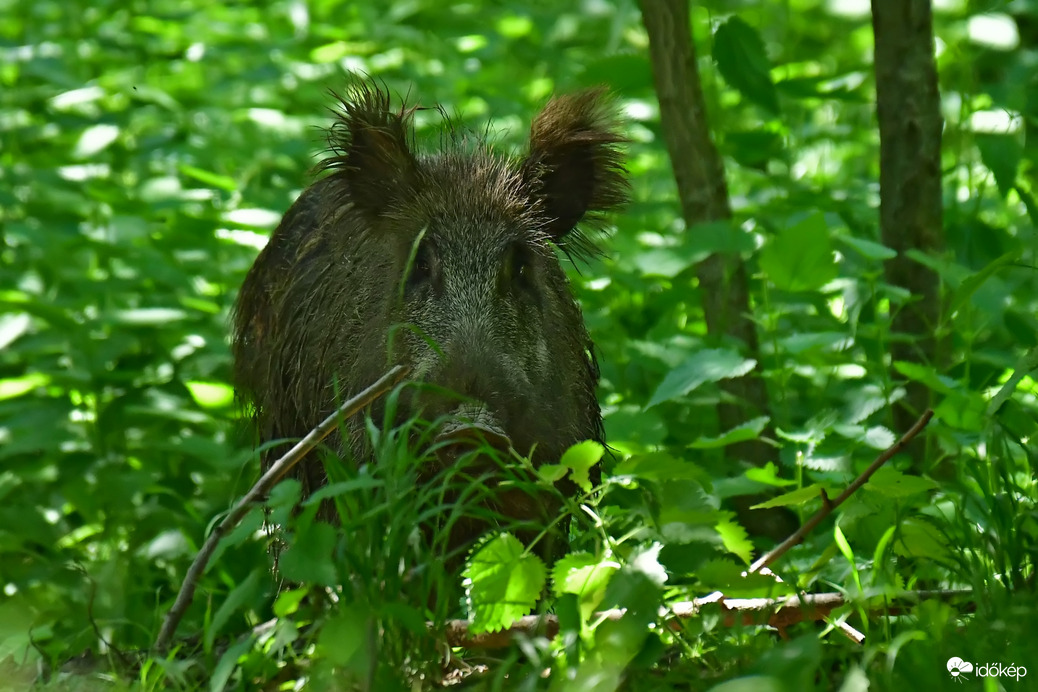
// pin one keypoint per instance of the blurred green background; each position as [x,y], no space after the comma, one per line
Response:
[148,148]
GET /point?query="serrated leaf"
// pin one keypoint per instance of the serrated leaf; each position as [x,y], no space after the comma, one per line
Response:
[724,575]
[878,437]
[686,502]
[580,458]
[552,473]
[825,464]
[736,540]
[918,538]
[647,563]
[890,482]
[743,62]
[925,374]
[502,584]
[800,257]
[750,430]
[585,576]
[706,366]
[659,466]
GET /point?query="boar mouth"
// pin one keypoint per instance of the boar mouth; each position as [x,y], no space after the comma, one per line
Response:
[468,427]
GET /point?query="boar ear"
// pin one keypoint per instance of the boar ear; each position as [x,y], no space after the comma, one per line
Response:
[575,170]
[368,146]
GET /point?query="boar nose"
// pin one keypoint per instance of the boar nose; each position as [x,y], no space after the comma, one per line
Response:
[472,368]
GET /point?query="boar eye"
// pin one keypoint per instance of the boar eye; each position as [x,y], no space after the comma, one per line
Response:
[423,268]
[519,268]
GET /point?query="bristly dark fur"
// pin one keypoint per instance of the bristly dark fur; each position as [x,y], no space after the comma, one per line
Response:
[574,160]
[317,306]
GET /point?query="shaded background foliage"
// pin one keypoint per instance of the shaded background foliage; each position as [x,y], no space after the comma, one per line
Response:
[149,147]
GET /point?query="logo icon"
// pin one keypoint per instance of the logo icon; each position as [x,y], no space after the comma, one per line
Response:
[958,668]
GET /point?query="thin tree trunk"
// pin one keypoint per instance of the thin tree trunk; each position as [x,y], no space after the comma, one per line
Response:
[911,214]
[703,192]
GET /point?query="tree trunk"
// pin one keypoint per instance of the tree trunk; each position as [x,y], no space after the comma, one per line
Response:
[703,192]
[908,109]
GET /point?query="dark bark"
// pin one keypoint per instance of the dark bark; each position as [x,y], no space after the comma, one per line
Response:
[908,109]
[703,192]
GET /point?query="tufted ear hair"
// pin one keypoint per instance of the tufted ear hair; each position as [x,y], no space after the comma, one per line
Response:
[369,149]
[574,168]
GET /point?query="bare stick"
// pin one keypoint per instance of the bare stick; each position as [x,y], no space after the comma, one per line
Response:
[277,471]
[776,612]
[828,506]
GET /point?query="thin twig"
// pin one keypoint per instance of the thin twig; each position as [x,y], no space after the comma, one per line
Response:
[828,507]
[259,490]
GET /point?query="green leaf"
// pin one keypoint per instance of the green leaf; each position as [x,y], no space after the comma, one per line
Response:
[684,505]
[342,637]
[211,179]
[1001,154]
[585,576]
[211,394]
[240,596]
[706,366]
[925,374]
[17,386]
[843,545]
[246,528]
[502,584]
[151,317]
[768,474]
[724,575]
[12,327]
[796,344]
[800,496]
[752,683]
[659,466]
[736,540]
[308,559]
[743,62]
[580,458]
[921,539]
[228,662]
[890,482]
[800,257]
[867,248]
[288,601]
[968,287]
[750,430]
[724,237]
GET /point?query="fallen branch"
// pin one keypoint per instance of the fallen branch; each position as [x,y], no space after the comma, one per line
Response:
[779,613]
[274,474]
